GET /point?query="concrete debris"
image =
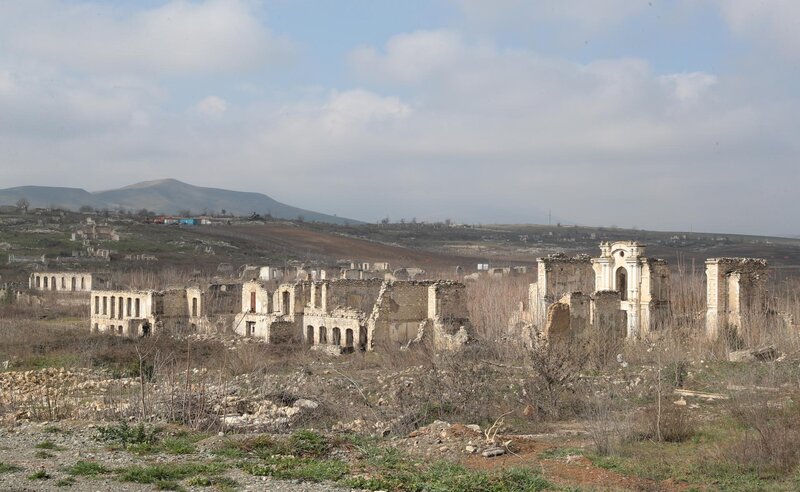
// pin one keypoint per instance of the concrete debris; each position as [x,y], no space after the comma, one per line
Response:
[766,353]
[493,452]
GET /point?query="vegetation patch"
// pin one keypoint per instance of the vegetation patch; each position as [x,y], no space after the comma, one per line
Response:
[39,475]
[448,477]
[8,467]
[139,438]
[47,445]
[87,469]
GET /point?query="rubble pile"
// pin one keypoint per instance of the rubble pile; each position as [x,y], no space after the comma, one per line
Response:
[53,393]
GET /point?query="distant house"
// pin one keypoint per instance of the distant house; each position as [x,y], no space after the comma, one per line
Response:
[176,221]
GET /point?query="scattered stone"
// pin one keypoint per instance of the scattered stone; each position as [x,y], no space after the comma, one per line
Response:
[493,452]
[765,353]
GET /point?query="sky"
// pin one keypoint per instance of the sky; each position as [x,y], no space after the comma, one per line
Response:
[657,114]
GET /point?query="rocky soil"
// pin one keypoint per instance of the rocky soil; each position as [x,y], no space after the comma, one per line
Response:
[75,441]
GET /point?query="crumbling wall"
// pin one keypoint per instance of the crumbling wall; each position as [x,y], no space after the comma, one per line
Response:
[354,294]
[557,275]
[255,298]
[568,318]
[608,325]
[735,287]
[283,332]
[62,282]
[175,311]
[137,316]
[399,309]
[331,330]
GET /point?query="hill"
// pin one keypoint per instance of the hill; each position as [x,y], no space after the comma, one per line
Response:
[165,196]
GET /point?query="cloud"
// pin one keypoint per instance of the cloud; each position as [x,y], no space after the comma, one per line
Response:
[772,23]
[212,105]
[178,37]
[410,58]
[430,123]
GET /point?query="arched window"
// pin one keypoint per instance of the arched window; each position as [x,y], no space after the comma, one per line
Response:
[45,283]
[113,306]
[337,336]
[622,283]
[53,283]
[348,338]
[323,335]
[38,282]
[286,303]
[96,304]
[74,283]
[310,335]
[83,283]
[194,306]
[136,307]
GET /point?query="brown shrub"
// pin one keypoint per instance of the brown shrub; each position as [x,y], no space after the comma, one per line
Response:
[767,442]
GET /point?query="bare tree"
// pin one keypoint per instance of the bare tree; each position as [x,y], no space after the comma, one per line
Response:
[23,204]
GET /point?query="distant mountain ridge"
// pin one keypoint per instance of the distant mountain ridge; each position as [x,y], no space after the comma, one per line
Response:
[165,196]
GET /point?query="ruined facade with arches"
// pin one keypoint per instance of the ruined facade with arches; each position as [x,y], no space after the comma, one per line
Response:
[343,315]
[193,309]
[642,284]
[125,312]
[62,282]
[622,293]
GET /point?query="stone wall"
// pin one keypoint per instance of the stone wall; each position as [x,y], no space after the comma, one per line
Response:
[131,313]
[557,275]
[735,288]
[61,281]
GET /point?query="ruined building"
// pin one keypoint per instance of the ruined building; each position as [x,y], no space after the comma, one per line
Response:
[621,292]
[92,231]
[341,315]
[61,281]
[642,284]
[178,310]
[735,289]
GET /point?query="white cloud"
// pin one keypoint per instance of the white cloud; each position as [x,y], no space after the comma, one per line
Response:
[436,123]
[212,105]
[410,58]
[689,87]
[178,37]
[773,22]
